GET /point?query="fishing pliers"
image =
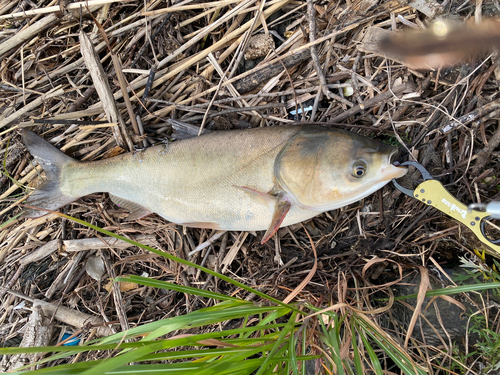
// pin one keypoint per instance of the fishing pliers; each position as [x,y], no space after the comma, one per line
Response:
[433,193]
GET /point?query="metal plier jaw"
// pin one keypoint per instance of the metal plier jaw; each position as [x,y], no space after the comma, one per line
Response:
[433,193]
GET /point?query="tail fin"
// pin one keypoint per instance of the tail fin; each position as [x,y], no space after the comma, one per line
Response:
[48,195]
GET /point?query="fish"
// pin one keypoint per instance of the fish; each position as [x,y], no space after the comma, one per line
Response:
[239,180]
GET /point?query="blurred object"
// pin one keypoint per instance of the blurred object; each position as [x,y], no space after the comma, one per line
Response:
[492,208]
[443,44]
[372,44]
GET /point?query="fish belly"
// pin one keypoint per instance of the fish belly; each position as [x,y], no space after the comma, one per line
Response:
[196,182]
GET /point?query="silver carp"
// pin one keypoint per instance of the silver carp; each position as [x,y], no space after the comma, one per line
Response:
[248,180]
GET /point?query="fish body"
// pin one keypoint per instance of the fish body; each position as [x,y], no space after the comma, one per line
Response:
[257,179]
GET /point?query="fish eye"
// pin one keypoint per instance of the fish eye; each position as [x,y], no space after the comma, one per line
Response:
[359,169]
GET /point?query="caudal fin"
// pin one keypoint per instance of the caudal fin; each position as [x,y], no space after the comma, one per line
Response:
[48,196]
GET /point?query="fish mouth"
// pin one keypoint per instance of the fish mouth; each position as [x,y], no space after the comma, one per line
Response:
[390,171]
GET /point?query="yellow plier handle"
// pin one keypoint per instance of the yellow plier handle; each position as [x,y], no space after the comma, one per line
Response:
[433,193]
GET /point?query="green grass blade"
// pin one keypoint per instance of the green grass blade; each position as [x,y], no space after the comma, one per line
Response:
[292,342]
[179,288]
[332,339]
[228,363]
[373,356]
[181,261]
[223,311]
[196,320]
[128,357]
[287,331]
[356,355]
[400,358]
[453,290]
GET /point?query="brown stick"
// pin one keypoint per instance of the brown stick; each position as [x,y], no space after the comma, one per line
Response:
[374,101]
[314,52]
[483,156]
[104,91]
[468,118]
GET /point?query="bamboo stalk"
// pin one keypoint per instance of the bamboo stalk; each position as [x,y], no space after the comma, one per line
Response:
[26,178]
[214,4]
[57,8]
[27,33]
[34,104]
[104,91]
[201,55]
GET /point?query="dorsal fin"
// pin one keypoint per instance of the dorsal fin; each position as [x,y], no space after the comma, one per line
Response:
[136,210]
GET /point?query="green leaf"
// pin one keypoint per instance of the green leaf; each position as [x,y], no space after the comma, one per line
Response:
[453,290]
[332,339]
[356,355]
[373,356]
[401,358]
[181,261]
[179,288]
[286,331]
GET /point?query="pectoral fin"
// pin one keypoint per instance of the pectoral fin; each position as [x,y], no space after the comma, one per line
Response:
[277,199]
[136,210]
[265,198]
[280,210]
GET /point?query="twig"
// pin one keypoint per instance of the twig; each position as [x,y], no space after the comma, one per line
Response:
[57,8]
[31,106]
[143,48]
[250,96]
[71,317]
[237,110]
[208,242]
[468,118]
[117,295]
[67,122]
[123,87]
[104,90]
[314,53]
[205,31]
[374,101]
[79,102]
[215,4]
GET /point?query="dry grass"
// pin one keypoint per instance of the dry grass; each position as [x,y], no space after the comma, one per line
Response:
[172,59]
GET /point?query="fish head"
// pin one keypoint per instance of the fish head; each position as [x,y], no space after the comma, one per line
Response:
[322,170]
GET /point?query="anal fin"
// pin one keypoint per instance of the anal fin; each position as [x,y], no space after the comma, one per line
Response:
[205,225]
[282,207]
[136,210]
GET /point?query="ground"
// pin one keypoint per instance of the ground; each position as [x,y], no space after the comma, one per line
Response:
[444,117]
